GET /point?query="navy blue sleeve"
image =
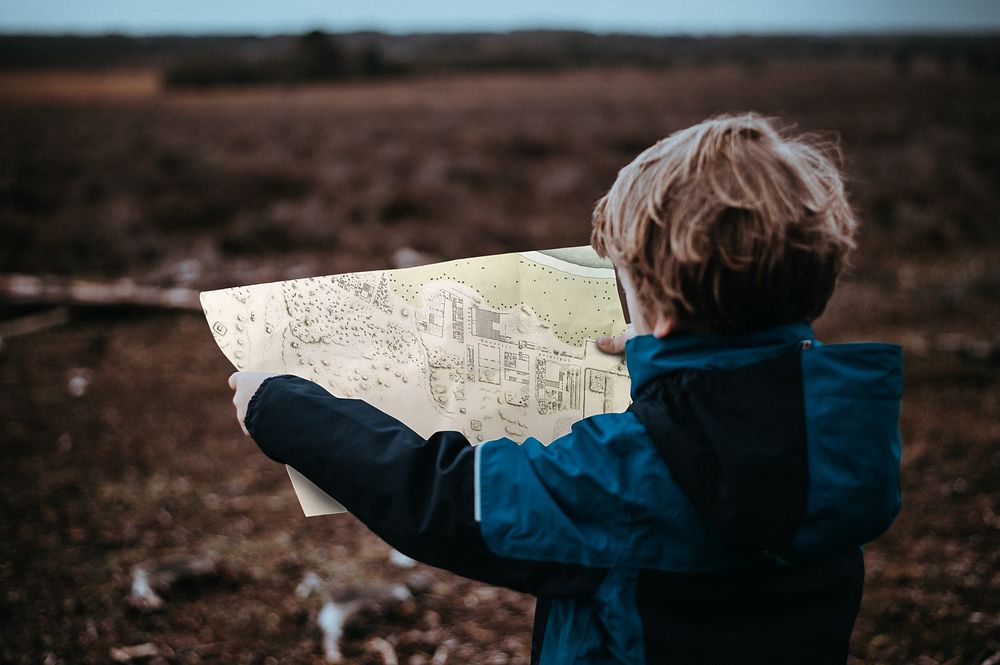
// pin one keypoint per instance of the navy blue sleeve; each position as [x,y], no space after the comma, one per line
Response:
[416,494]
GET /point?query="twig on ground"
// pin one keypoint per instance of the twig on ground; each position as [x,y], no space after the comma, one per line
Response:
[384,649]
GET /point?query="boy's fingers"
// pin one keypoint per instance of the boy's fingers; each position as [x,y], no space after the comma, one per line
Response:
[614,344]
[232,380]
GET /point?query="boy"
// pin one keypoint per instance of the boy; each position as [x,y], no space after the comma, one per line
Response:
[718,520]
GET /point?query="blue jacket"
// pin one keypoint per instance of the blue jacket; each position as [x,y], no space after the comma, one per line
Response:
[718,520]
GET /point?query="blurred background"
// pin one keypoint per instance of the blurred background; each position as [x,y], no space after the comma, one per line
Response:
[149,151]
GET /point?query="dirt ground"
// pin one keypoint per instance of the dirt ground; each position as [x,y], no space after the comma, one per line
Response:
[119,446]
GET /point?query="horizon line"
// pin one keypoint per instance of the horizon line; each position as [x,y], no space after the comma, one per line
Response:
[285,31]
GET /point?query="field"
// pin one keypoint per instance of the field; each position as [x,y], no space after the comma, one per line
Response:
[106,175]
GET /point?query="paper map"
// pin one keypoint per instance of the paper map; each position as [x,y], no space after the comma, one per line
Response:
[494,346]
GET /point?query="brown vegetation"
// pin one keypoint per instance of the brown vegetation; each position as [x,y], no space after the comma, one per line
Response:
[118,441]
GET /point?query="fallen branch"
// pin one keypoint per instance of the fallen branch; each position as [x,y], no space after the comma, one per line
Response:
[51,290]
[128,654]
[32,323]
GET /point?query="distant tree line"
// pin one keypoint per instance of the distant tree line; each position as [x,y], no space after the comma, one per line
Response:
[315,56]
[318,56]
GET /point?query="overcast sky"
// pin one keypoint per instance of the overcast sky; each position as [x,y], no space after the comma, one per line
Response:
[665,16]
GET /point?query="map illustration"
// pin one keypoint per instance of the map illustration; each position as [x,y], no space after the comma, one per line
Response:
[495,346]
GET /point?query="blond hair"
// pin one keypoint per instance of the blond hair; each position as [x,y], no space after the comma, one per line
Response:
[729,225]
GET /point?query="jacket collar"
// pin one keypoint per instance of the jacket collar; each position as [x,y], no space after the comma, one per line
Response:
[648,357]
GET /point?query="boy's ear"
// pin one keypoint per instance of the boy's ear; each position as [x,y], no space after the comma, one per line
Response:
[664,326]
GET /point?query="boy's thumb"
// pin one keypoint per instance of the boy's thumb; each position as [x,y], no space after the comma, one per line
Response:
[611,344]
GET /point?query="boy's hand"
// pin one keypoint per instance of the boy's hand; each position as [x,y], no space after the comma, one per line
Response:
[245,384]
[616,344]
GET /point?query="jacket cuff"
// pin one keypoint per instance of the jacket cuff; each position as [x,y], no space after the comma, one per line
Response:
[252,414]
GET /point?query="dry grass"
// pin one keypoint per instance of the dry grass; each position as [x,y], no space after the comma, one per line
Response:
[76,86]
[112,178]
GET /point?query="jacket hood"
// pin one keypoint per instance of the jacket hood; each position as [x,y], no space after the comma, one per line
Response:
[785,443]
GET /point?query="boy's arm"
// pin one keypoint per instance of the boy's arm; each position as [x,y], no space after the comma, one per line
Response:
[417,494]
